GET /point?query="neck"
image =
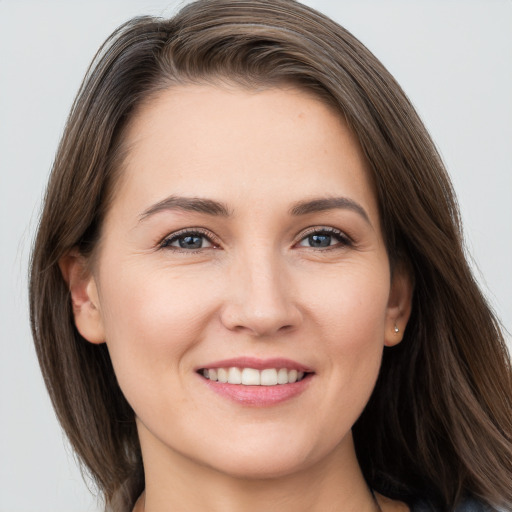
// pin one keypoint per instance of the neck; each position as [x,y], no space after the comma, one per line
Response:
[333,483]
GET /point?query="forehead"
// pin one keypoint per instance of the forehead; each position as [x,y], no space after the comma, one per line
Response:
[231,142]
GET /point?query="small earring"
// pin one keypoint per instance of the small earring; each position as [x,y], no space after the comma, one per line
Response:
[397,330]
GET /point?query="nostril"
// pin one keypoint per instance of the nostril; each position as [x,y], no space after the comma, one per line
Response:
[258,322]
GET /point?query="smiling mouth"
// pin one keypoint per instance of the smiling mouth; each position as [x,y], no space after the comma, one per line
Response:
[254,377]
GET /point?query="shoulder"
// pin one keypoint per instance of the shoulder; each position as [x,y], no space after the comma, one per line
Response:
[468,505]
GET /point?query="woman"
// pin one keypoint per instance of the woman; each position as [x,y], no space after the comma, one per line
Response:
[248,289]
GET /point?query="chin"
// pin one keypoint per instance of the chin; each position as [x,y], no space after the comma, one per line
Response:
[268,460]
[258,468]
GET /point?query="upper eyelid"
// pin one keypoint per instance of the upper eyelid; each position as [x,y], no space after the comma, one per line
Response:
[323,229]
[314,229]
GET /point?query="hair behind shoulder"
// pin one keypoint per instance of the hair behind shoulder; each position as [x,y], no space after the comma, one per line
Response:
[439,423]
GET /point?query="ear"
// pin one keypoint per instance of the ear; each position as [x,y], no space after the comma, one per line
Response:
[399,304]
[84,296]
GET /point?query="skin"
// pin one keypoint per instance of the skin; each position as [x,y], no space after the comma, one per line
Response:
[256,288]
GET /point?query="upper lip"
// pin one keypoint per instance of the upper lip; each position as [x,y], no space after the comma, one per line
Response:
[257,364]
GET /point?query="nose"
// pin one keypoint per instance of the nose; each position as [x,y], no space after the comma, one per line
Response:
[261,298]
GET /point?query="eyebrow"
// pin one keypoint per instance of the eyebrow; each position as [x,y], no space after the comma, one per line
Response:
[216,208]
[329,203]
[189,204]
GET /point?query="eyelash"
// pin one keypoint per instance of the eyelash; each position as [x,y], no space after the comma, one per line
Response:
[342,239]
[198,232]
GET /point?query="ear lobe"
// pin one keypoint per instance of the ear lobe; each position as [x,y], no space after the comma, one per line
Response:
[399,305]
[84,296]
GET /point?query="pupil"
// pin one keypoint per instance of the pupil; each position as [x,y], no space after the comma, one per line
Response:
[191,242]
[320,240]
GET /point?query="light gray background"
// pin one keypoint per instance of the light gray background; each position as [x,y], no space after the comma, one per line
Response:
[453,58]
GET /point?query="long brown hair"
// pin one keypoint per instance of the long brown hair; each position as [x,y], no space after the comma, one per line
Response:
[439,423]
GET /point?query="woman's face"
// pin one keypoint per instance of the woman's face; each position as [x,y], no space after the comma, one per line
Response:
[244,233]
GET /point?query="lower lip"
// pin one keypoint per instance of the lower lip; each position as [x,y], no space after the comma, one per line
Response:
[259,396]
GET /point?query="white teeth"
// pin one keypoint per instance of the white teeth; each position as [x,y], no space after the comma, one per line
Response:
[269,377]
[253,377]
[282,376]
[234,376]
[250,377]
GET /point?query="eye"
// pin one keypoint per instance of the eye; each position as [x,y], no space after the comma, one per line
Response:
[187,241]
[325,238]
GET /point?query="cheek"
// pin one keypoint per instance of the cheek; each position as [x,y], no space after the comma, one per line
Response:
[352,303]
[352,316]
[153,321]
